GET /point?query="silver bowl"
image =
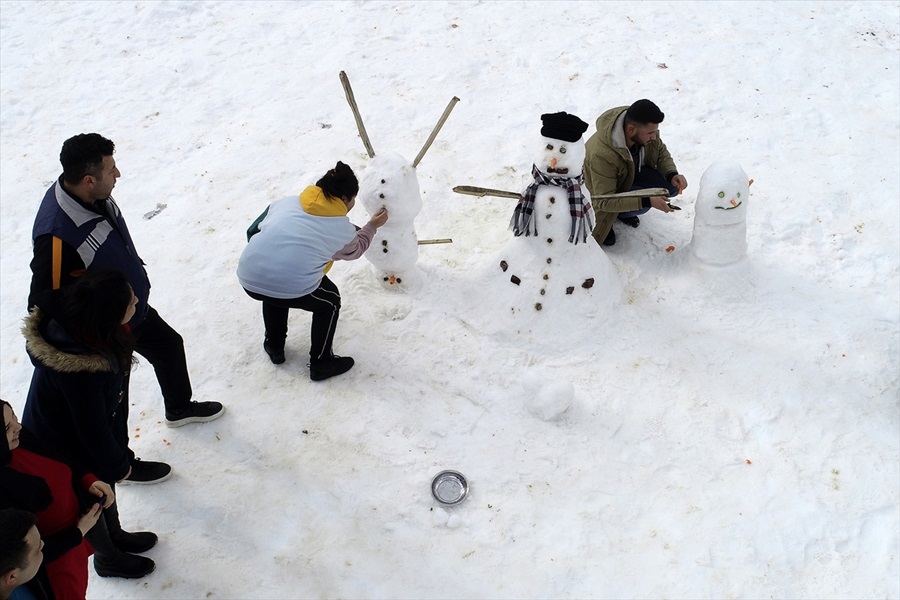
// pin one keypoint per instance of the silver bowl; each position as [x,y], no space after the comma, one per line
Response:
[449,487]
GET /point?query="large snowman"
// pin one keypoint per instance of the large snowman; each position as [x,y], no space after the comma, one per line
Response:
[720,218]
[552,262]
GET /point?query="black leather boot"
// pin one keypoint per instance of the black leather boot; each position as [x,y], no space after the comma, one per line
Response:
[136,543]
[110,561]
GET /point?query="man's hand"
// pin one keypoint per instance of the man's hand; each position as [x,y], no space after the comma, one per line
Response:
[660,203]
[680,182]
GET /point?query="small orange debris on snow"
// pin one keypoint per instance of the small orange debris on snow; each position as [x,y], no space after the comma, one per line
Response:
[748,462]
[670,249]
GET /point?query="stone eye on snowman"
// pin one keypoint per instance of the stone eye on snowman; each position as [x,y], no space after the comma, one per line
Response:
[720,218]
[389,181]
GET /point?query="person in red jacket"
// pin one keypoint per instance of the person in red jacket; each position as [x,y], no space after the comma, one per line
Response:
[34,479]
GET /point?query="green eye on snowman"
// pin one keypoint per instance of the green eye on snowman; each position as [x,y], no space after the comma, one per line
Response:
[721,194]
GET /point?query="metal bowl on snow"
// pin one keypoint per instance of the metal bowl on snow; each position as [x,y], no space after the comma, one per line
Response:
[449,487]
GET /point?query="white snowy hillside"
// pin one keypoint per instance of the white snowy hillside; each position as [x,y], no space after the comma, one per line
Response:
[714,432]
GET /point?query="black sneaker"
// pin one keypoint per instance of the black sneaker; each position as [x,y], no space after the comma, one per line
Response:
[329,367]
[610,238]
[135,543]
[127,566]
[276,356]
[630,221]
[195,412]
[144,472]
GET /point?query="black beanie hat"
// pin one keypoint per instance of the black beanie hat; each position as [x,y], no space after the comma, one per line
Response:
[562,126]
[643,112]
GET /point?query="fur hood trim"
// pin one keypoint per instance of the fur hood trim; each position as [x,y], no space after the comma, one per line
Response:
[52,357]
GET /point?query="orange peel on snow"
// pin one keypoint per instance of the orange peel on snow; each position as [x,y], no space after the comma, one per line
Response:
[670,249]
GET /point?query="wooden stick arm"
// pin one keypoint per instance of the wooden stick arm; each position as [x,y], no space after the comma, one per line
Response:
[359,123]
[471,190]
[435,131]
[437,241]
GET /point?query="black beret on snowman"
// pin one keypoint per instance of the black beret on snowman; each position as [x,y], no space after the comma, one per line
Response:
[562,126]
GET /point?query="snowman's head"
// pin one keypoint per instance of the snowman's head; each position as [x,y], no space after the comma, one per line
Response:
[561,145]
[724,193]
[559,158]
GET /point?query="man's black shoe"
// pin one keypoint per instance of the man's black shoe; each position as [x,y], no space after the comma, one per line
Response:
[195,412]
[329,367]
[128,566]
[630,221]
[610,238]
[146,471]
[276,356]
[135,543]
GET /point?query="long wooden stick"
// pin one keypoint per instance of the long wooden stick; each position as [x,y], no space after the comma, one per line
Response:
[438,241]
[471,190]
[435,131]
[359,123]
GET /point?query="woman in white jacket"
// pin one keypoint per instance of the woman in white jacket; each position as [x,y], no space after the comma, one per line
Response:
[290,249]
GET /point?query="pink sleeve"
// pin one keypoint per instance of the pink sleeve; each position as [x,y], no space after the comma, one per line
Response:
[358,245]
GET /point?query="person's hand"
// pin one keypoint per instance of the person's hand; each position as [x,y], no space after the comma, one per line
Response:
[101,488]
[660,203]
[680,182]
[89,519]
[379,218]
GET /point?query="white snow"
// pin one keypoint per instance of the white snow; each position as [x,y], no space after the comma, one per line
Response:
[730,433]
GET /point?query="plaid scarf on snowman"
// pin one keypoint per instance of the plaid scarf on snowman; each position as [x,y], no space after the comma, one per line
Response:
[582,221]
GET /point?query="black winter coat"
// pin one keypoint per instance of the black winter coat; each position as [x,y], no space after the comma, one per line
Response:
[78,400]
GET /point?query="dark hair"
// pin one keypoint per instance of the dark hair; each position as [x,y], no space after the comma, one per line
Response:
[92,310]
[643,112]
[14,527]
[339,182]
[83,155]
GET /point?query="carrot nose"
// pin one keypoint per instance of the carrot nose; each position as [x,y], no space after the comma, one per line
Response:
[733,203]
[393,279]
[553,163]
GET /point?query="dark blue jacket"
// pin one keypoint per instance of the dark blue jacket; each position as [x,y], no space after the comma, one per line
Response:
[91,238]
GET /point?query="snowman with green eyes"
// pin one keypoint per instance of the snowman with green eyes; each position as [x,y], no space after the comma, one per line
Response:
[720,218]
[552,260]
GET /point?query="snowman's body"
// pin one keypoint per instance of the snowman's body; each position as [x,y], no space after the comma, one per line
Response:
[544,269]
[390,182]
[720,219]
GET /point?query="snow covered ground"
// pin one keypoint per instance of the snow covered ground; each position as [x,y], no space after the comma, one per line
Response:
[734,432]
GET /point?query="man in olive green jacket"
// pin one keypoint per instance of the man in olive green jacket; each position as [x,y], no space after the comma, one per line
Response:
[626,154]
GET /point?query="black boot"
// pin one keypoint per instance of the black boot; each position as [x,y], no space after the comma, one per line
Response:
[276,355]
[110,561]
[136,543]
[610,238]
[324,368]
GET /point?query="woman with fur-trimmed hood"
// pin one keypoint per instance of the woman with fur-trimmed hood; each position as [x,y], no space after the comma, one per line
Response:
[81,346]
